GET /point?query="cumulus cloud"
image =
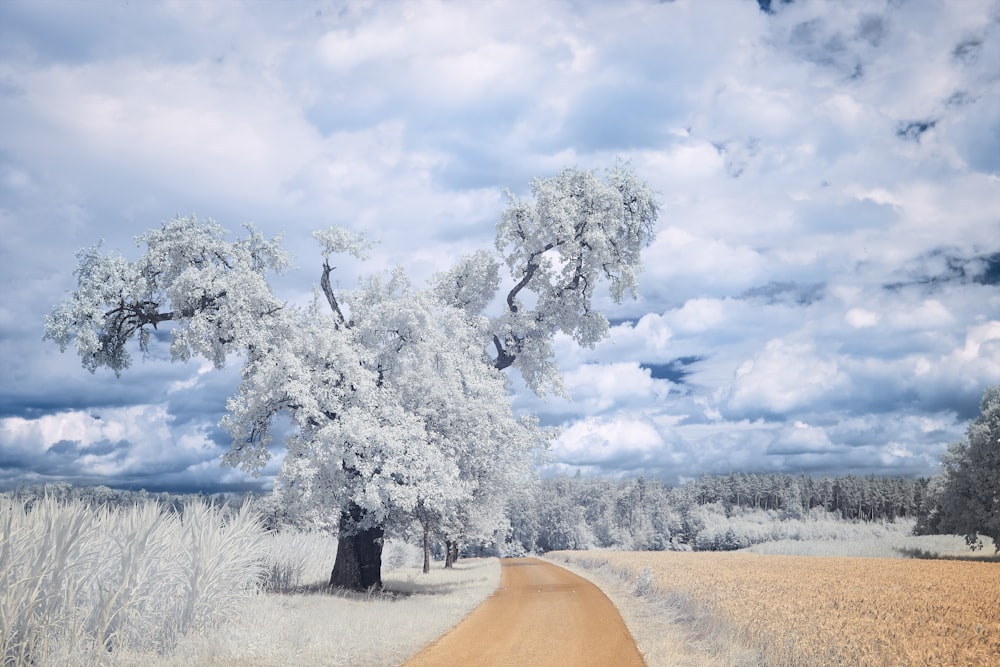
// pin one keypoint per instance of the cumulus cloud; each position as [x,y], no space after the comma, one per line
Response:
[139,445]
[822,294]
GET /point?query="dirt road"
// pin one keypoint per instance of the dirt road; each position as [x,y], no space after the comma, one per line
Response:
[542,614]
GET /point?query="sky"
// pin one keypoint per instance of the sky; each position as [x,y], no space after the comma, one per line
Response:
[822,295]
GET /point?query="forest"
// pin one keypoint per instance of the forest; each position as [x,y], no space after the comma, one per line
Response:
[711,513]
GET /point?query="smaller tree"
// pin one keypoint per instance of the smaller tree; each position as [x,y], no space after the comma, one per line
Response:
[969,501]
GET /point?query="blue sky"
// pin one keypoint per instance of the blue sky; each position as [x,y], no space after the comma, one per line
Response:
[823,295]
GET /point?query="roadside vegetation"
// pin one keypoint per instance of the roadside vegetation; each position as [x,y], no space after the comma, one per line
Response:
[78,582]
[316,627]
[194,582]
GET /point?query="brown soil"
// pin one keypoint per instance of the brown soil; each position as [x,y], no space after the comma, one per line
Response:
[542,614]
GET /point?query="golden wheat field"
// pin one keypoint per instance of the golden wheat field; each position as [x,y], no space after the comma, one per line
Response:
[800,610]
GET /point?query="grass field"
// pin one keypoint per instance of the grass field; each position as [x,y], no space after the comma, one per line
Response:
[142,585]
[800,610]
[349,630]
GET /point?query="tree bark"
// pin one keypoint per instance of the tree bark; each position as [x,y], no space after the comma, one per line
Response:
[451,553]
[358,566]
[427,549]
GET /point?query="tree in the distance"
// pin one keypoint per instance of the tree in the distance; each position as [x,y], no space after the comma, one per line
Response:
[396,406]
[968,502]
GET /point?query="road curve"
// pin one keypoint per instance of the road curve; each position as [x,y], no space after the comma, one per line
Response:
[542,614]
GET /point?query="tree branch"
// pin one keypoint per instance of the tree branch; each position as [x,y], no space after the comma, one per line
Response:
[529,273]
[504,358]
[324,282]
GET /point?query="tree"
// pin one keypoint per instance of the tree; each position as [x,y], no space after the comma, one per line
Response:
[213,291]
[969,497]
[578,232]
[381,382]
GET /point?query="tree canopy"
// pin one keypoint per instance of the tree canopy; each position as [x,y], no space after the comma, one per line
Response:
[969,491]
[399,406]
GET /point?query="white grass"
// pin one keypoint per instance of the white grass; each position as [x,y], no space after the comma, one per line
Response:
[744,528]
[345,629]
[78,584]
[895,542]
[143,586]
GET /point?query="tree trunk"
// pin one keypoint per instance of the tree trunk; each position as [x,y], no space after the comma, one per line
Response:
[358,566]
[427,549]
[451,553]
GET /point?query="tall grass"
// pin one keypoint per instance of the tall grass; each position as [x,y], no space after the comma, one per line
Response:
[78,583]
[147,585]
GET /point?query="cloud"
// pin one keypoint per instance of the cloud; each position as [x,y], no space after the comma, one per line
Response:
[136,445]
[784,377]
[821,295]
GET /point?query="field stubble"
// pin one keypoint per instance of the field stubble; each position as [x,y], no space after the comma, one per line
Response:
[796,610]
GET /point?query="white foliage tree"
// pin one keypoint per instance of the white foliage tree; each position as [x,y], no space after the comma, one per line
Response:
[398,410]
[214,292]
[578,232]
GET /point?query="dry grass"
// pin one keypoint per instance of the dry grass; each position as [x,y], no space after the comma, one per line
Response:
[667,629]
[809,611]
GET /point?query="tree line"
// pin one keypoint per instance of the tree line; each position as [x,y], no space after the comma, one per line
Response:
[710,513]
[713,512]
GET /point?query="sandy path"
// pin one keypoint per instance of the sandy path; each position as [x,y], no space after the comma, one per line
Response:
[542,614]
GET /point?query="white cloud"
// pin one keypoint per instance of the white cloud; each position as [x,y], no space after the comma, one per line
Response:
[698,315]
[678,255]
[596,441]
[827,174]
[859,318]
[783,377]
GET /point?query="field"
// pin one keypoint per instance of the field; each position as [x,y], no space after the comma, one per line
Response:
[800,610]
[146,586]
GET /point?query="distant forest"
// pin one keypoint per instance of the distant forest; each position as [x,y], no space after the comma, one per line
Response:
[720,512]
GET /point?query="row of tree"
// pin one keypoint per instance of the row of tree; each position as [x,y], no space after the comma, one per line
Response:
[864,498]
[710,513]
[642,514]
